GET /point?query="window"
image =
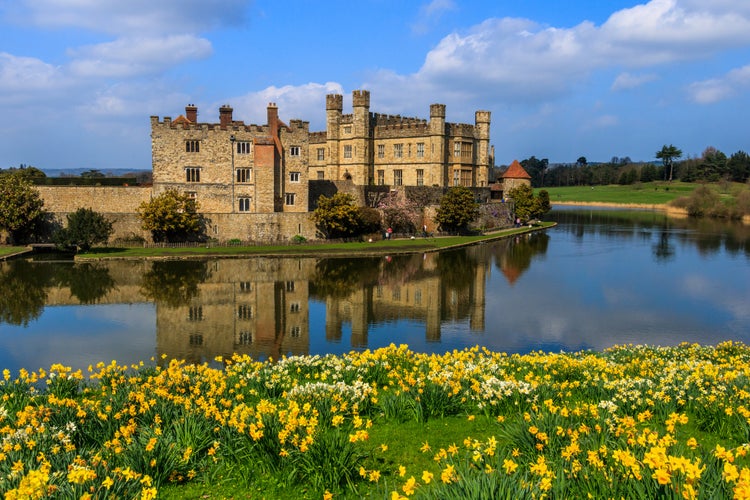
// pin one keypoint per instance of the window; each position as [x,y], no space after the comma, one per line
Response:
[420,177]
[290,286]
[195,313]
[192,174]
[294,151]
[397,177]
[466,149]
[196,339]
[398,150]
[321,175]
[294,332]
[192,195]
[244,311]
[420,150]
[294,307]
[348,129]
[245,338]
[244,175]
[321,154]
[418,297]
[381,177]
[456,177]
[293,176]
[381,150]
[244,203]
[244,147]
[192,146]
[396,293]
[347,151]
[246,287]
[289,198]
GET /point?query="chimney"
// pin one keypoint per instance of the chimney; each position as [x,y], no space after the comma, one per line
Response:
[225,116]
[273,119]
[191,113]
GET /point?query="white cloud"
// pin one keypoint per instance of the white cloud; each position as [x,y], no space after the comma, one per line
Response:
[718,89]
[306,102]
[626,81]
[128,57]
[25,76]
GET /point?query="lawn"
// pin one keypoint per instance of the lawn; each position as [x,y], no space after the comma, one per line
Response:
[650,193]
[399,245]
[628,422]
[10,250]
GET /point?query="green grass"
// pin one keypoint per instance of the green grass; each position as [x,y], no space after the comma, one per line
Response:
[650,193]
[404,245]
[10,250]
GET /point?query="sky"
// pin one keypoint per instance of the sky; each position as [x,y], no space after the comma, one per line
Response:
[79,79]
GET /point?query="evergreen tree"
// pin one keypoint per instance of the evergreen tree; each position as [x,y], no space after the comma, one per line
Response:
[457,209]
[171,216]
[85,229]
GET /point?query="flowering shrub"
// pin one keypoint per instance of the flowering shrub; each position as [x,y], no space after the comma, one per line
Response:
[632,422]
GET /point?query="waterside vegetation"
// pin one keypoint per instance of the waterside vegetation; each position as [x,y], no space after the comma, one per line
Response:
[630,422]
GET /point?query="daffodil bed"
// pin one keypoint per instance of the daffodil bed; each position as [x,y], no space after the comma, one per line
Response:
[631,422]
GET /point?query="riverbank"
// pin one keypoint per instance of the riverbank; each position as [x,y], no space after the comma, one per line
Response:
[364,248]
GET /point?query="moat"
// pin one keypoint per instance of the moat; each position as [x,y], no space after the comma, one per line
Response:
[601,277]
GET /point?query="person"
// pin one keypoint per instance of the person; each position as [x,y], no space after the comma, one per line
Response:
[388,233]
[424,230]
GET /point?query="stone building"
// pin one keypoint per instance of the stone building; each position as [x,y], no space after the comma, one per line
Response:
[371,148]
[259,182]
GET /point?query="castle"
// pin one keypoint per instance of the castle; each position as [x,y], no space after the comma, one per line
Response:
[259,182]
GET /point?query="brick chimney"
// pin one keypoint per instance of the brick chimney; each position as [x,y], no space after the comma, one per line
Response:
[225,116]
[273,119]
[191,113]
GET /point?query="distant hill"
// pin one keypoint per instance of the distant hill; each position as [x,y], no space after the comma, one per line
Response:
[75,172]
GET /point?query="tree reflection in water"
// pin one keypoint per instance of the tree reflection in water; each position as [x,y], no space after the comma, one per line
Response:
[174,283]
[87,282]
[22,294]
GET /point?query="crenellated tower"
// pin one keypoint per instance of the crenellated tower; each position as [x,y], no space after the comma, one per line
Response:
[482,126]
[439,142]
[334,109]
[360,138]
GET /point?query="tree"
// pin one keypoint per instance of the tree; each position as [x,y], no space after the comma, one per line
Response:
[581,161]
[526,205]
[457,209]
[21,206]
[400,213]
[666,154]
[337,216]
[85,229]
[92,174]
[171,216]
[713,164]
[739,166]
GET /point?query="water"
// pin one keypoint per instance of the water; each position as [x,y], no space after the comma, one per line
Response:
[600,278]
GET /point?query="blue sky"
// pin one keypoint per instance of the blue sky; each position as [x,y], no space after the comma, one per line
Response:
[80,78]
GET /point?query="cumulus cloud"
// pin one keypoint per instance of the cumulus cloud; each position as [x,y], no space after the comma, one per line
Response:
[305,102]
[129,57]
[718,89]
[518,59]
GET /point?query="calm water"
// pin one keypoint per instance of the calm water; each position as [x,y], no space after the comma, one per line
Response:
[600,278]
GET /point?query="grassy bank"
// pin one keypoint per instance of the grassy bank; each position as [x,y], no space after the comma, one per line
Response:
[630,422]
[650,193]
[400,245]
[10,250]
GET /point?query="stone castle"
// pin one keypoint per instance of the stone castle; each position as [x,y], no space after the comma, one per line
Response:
[259,182]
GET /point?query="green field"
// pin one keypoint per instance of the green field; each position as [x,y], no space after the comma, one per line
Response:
[650,193]
[400,245]
[9,250]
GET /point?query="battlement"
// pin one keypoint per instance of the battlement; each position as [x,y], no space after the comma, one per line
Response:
[437,111]
[482,116]
[361,98]
[334,102]
[317,138]
[299,124]
[398,121]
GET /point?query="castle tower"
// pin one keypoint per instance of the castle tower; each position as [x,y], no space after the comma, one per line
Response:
[439,147]
[361,169]
[482,124]
[334,109]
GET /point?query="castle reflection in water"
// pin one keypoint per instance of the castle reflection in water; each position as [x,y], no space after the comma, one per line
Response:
[261,306]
